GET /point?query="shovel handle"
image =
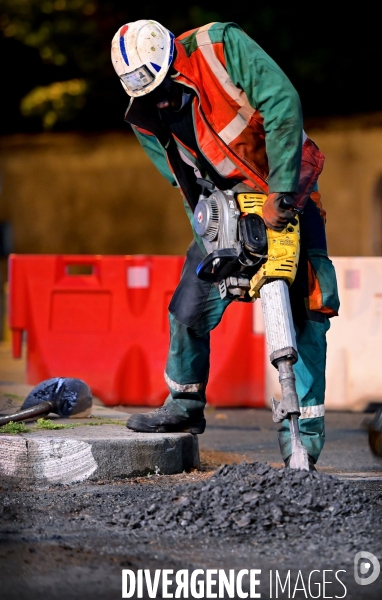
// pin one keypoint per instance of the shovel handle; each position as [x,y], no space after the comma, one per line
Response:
[43,408]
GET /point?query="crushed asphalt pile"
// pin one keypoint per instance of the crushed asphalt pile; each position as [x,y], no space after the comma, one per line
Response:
[240,516]
[254,499]
[281,511]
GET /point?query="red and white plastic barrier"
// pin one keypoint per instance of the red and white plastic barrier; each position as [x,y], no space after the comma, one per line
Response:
[104,319]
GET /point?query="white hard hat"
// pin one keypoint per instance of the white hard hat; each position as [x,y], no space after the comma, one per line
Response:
[141,53]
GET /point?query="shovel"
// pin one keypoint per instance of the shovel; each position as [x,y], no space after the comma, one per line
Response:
[66,397]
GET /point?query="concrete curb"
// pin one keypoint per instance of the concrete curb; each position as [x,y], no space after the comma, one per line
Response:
[104,452]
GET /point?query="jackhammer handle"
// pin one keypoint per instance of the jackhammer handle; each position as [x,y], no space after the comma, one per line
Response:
[44,408]
[205,184]
[286,201]
[287,204]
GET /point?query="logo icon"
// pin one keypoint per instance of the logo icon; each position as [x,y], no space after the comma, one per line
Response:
[366,568]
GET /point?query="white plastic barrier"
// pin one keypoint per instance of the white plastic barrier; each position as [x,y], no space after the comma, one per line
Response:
[354,357]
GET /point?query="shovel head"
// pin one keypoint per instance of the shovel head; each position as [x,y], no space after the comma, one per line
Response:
[70,397]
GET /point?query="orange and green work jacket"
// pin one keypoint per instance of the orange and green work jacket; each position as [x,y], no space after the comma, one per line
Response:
[246,114]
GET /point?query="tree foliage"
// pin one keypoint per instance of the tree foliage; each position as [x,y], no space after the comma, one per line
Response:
[57,71]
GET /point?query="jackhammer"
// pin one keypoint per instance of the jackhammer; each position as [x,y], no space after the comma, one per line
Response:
[248,261]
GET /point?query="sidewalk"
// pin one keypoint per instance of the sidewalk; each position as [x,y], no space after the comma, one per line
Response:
[99,447]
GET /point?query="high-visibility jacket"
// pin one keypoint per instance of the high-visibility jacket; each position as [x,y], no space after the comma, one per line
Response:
[247,115]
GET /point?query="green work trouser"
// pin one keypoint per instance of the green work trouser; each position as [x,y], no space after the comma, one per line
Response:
[197,308]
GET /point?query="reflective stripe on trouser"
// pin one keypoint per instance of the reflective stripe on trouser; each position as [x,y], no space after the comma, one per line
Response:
[188,359]
[310,383]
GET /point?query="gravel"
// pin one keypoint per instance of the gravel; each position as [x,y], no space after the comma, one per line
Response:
[257,500]
[73,540]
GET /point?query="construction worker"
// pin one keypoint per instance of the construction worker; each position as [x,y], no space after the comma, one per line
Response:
[212,104]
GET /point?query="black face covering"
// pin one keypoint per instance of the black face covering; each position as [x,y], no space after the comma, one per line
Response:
[164,91]
[168,91]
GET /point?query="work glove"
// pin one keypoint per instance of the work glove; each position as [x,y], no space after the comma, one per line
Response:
[275,217]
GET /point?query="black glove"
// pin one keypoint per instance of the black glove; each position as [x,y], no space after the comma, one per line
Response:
[275,214]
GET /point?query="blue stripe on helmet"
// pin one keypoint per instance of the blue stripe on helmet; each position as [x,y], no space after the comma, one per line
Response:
[156,67]
[123,49]
[171,48]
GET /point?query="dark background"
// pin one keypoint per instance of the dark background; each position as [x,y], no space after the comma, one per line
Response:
[332,56]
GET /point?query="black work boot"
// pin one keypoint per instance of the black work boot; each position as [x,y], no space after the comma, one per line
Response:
[162,421]
[311,462]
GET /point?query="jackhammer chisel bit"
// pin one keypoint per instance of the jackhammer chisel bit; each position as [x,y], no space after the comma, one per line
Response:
[282,347]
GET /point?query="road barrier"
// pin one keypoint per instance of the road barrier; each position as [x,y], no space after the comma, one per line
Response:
[104,319]
[354,373]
